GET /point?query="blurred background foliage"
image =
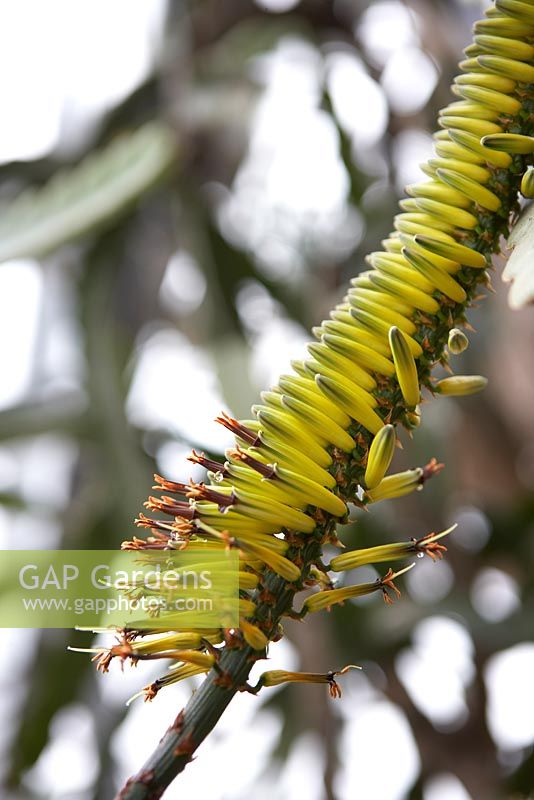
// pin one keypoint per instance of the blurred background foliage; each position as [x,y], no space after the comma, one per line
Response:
[185,189]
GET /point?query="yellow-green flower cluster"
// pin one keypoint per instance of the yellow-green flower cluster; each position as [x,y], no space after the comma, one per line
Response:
[324,436]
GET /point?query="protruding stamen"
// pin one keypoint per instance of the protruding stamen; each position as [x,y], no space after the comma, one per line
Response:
[238,429]
[267,470]
[208,463]
[162,484]
[199,491]
[168,506]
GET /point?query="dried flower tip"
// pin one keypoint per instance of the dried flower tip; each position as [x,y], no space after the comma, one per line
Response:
[238,429]
[429,544]
[460,385]
[201,491]
[162,484]
[458,341]
[207,463]
[387,584]
[142,521]
[266,470]
[380,456]
[168,506]
[431,469]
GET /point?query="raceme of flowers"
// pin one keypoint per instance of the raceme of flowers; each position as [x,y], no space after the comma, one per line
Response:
[325,435]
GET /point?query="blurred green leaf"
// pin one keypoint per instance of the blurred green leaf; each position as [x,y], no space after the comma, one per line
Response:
[88,197]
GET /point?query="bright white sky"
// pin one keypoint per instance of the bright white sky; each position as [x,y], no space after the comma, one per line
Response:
[64,64]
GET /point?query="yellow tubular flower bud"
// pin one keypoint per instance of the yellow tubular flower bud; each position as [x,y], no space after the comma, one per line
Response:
[345,365]
[438,277]
[466,108]
[473,171]
[382,328]
[495,82]
[413,418]
[349,403]
[343,323]
[246,607]
[508,67]
[510,143]
[299,367]
[527,183]
[305,389]
[418,298]
[361,354]
[473,190]
[471,64]
[282,566]
[257,507]
[427,220]
[518,9]
[454,250]
[458,151]
[452,214]
[396,485]
[314,493]
[253,636]
[407,274]
[503,26]
[458,341]
[405,367]
[382,299]
[460,385]
[437,191]
[403,225]
[280,424]
[380,456]
[503,46]
[330,431]
[471,142]
[247,581]
[447,264]
[509,105]
[273,450]
[476,126]
[381,313]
